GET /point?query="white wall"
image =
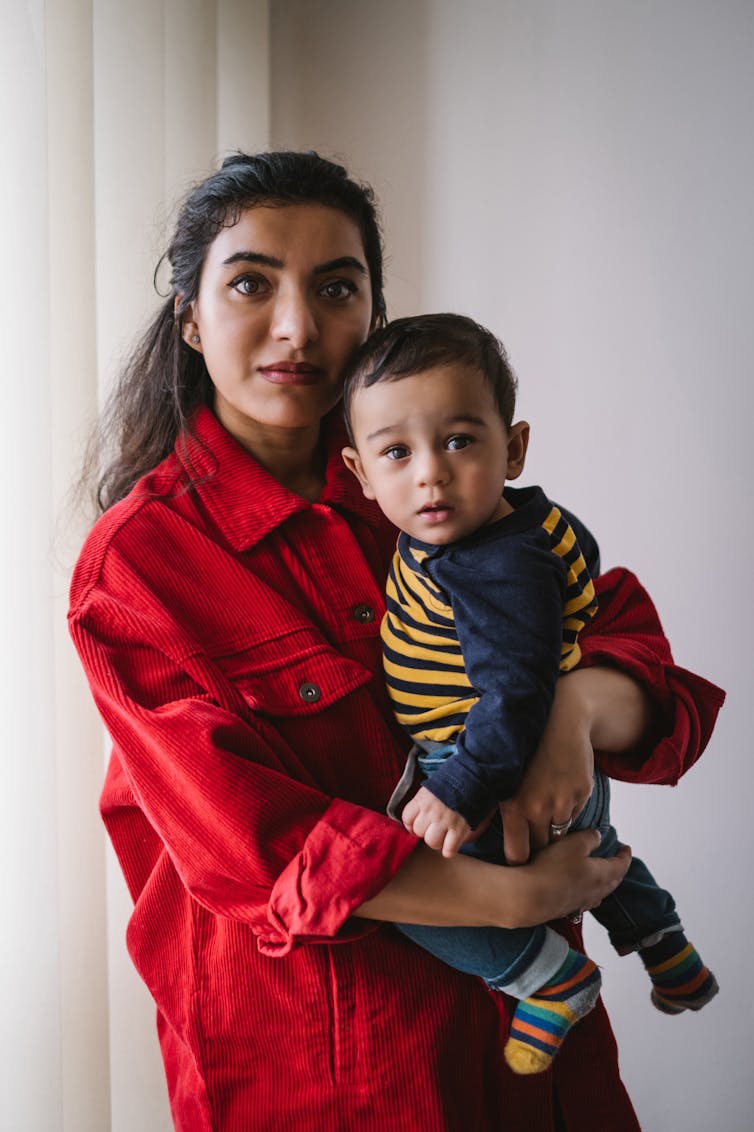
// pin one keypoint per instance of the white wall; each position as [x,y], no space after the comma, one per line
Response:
[578,176]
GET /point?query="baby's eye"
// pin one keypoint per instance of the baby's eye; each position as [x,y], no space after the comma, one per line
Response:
[339,289]
[457,442]
[396,452]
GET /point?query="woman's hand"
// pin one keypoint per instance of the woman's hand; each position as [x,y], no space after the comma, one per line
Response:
[563,879]
[558,780]
[466,891]
[593,708]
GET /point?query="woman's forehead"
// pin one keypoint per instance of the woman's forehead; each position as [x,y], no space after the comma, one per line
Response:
[290,233]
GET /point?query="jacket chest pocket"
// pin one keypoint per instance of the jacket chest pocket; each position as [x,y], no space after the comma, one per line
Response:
[292,675]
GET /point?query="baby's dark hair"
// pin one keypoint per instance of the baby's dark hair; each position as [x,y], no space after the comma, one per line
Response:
[408,346]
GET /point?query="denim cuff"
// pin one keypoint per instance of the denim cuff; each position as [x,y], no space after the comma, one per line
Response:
[550,957]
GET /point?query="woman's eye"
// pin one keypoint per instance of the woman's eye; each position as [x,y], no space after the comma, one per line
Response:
[456,443]
[396,452]
[248,285]
[339,289]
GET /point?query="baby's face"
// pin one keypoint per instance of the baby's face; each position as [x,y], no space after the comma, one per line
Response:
[433,451]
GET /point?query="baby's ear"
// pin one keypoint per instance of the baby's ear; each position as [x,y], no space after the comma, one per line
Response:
[518,442]
[352,461]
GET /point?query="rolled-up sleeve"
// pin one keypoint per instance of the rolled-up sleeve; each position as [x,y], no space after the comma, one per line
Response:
[349,855]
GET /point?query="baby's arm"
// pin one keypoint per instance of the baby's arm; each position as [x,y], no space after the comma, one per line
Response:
[508,612]
[441,828]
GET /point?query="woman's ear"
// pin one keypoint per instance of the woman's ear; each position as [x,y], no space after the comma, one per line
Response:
[518,442]
[352,461]
[189,327]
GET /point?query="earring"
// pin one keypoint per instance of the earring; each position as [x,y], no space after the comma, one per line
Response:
[195,339]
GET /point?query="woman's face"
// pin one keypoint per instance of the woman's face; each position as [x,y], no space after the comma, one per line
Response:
[284,300]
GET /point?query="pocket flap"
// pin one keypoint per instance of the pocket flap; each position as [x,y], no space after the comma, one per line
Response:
[293,675]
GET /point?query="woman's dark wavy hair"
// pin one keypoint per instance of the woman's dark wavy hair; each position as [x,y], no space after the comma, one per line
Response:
[164,380]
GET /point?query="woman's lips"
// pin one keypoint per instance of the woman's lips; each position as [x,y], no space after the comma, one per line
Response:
[291,373]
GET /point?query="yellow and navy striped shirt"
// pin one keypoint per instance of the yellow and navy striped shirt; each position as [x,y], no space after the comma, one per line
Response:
[476,633]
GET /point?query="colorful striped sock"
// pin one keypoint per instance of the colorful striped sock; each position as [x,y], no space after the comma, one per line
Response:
[541,1021]
[680,981]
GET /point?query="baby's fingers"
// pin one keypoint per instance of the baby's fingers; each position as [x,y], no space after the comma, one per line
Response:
[452,842]
[434,836]
[412,817]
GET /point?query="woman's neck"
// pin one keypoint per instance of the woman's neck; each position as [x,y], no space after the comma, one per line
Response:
[301,472]
[294,456]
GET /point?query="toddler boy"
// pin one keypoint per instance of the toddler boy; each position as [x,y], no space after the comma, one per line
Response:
[488,591]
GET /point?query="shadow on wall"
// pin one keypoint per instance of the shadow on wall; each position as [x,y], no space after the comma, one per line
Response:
[350,80]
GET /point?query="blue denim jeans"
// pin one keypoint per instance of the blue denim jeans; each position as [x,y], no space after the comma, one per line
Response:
[521,960]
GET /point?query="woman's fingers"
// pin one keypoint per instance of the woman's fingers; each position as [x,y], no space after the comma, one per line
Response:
[601,875]
[570,879]
[540,833]
[516,842]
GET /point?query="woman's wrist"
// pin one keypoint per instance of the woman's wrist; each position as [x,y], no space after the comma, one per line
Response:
[460,891]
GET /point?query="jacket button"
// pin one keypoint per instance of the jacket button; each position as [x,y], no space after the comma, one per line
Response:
[363,613]
[310,693]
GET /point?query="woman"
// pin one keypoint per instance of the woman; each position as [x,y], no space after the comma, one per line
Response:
[226,609]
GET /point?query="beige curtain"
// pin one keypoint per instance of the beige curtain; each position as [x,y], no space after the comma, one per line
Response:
[107,111]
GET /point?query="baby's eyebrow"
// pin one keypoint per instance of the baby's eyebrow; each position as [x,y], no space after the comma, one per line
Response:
[449,422]
[465,418]
[382,431]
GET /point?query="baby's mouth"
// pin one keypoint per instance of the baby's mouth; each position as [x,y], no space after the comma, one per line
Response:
[436,512]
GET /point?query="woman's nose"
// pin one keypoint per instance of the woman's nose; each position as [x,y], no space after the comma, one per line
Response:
[294,320]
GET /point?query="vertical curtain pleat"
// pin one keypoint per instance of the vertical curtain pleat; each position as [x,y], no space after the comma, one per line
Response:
[107,112]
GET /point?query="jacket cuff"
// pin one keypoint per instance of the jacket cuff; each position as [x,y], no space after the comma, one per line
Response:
[627,634]
[348,857]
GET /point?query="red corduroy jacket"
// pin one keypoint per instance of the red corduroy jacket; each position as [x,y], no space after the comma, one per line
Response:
[230,634]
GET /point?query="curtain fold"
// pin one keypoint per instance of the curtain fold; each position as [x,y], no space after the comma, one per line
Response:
[107,112]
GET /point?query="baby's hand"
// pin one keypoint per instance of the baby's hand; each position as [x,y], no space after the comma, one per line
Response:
[442,828]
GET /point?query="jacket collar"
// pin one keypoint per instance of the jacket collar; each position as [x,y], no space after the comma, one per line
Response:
[243,499]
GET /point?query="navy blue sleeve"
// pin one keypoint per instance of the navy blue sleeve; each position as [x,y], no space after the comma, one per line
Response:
[507,601]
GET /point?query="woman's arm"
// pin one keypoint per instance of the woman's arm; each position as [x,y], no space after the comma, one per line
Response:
[648,719]
[430,889]
[593,708]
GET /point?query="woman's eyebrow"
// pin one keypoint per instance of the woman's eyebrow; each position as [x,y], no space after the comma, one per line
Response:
[253,257]
[337,264]
[262,260]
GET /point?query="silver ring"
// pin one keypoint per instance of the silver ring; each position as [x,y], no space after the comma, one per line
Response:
[558,829]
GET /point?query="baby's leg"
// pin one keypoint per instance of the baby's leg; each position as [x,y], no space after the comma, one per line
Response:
[556,986]
[640,916]
[541,1022]
[680,980]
